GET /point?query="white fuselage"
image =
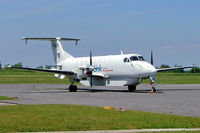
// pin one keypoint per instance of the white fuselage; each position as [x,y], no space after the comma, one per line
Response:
[113,68]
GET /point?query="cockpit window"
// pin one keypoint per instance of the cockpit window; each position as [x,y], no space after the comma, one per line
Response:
[141,58]
[133,58]
[126,60]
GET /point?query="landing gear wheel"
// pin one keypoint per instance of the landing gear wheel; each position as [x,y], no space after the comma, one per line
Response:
[75,88]
[72,88]
[131,88]
[153,89]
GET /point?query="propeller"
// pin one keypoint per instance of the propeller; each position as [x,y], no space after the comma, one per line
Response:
[151,57]
[152,77]
[90,58]
[89,69]
[92,69]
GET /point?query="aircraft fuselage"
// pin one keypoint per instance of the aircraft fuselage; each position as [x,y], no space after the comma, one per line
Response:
[115,68]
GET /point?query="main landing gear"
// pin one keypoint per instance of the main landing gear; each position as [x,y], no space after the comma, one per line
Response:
[131,88]
[72,88]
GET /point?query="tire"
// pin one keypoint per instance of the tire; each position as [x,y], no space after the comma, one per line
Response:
[131,88]
[72,88]
[75,88]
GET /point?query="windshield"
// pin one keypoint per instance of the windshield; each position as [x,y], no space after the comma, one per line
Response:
[136,58]
[133,58]
[141,58]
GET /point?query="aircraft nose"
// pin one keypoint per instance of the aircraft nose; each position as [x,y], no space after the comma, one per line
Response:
[150,69]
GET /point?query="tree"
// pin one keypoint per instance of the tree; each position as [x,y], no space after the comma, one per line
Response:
[18,65]
[40,67]
[164,66]
[195,70]
[47,67]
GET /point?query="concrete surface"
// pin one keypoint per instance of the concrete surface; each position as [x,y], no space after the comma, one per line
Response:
[171,99]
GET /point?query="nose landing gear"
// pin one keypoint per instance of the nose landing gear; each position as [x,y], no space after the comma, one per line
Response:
[152,81]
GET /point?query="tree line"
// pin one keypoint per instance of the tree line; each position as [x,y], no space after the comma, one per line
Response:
[19,64]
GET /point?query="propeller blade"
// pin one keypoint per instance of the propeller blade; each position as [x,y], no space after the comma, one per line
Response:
[90,58]
[91,65]
[151,57]
[90,81]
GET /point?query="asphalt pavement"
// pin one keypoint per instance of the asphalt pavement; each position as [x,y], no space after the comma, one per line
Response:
[171,99]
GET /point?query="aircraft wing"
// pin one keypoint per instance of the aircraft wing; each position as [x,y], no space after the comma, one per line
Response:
[69,73]
[173,68]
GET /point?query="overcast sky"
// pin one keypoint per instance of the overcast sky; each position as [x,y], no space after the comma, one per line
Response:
[171,28]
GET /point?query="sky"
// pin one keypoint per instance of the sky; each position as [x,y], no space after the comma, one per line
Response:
[171,28]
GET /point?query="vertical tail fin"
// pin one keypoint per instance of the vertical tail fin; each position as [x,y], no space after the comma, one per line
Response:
[58,52]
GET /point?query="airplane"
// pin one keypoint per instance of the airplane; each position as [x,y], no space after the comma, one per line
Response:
[111,70]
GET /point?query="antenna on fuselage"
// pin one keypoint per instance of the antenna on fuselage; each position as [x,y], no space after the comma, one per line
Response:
[122,53]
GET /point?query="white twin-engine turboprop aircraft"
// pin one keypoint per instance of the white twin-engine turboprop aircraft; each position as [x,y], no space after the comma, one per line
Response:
[112,70]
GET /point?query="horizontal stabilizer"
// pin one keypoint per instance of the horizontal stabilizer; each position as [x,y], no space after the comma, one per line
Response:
[50,39]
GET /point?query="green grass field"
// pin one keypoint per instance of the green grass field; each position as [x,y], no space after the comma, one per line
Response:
[25,77]
[176,78]
[20,77]
[176,132]
[29,118]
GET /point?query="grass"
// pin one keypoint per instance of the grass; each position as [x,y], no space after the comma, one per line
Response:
[14,76]
[8,98]
[176,78]
[175,132]
[31,118]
